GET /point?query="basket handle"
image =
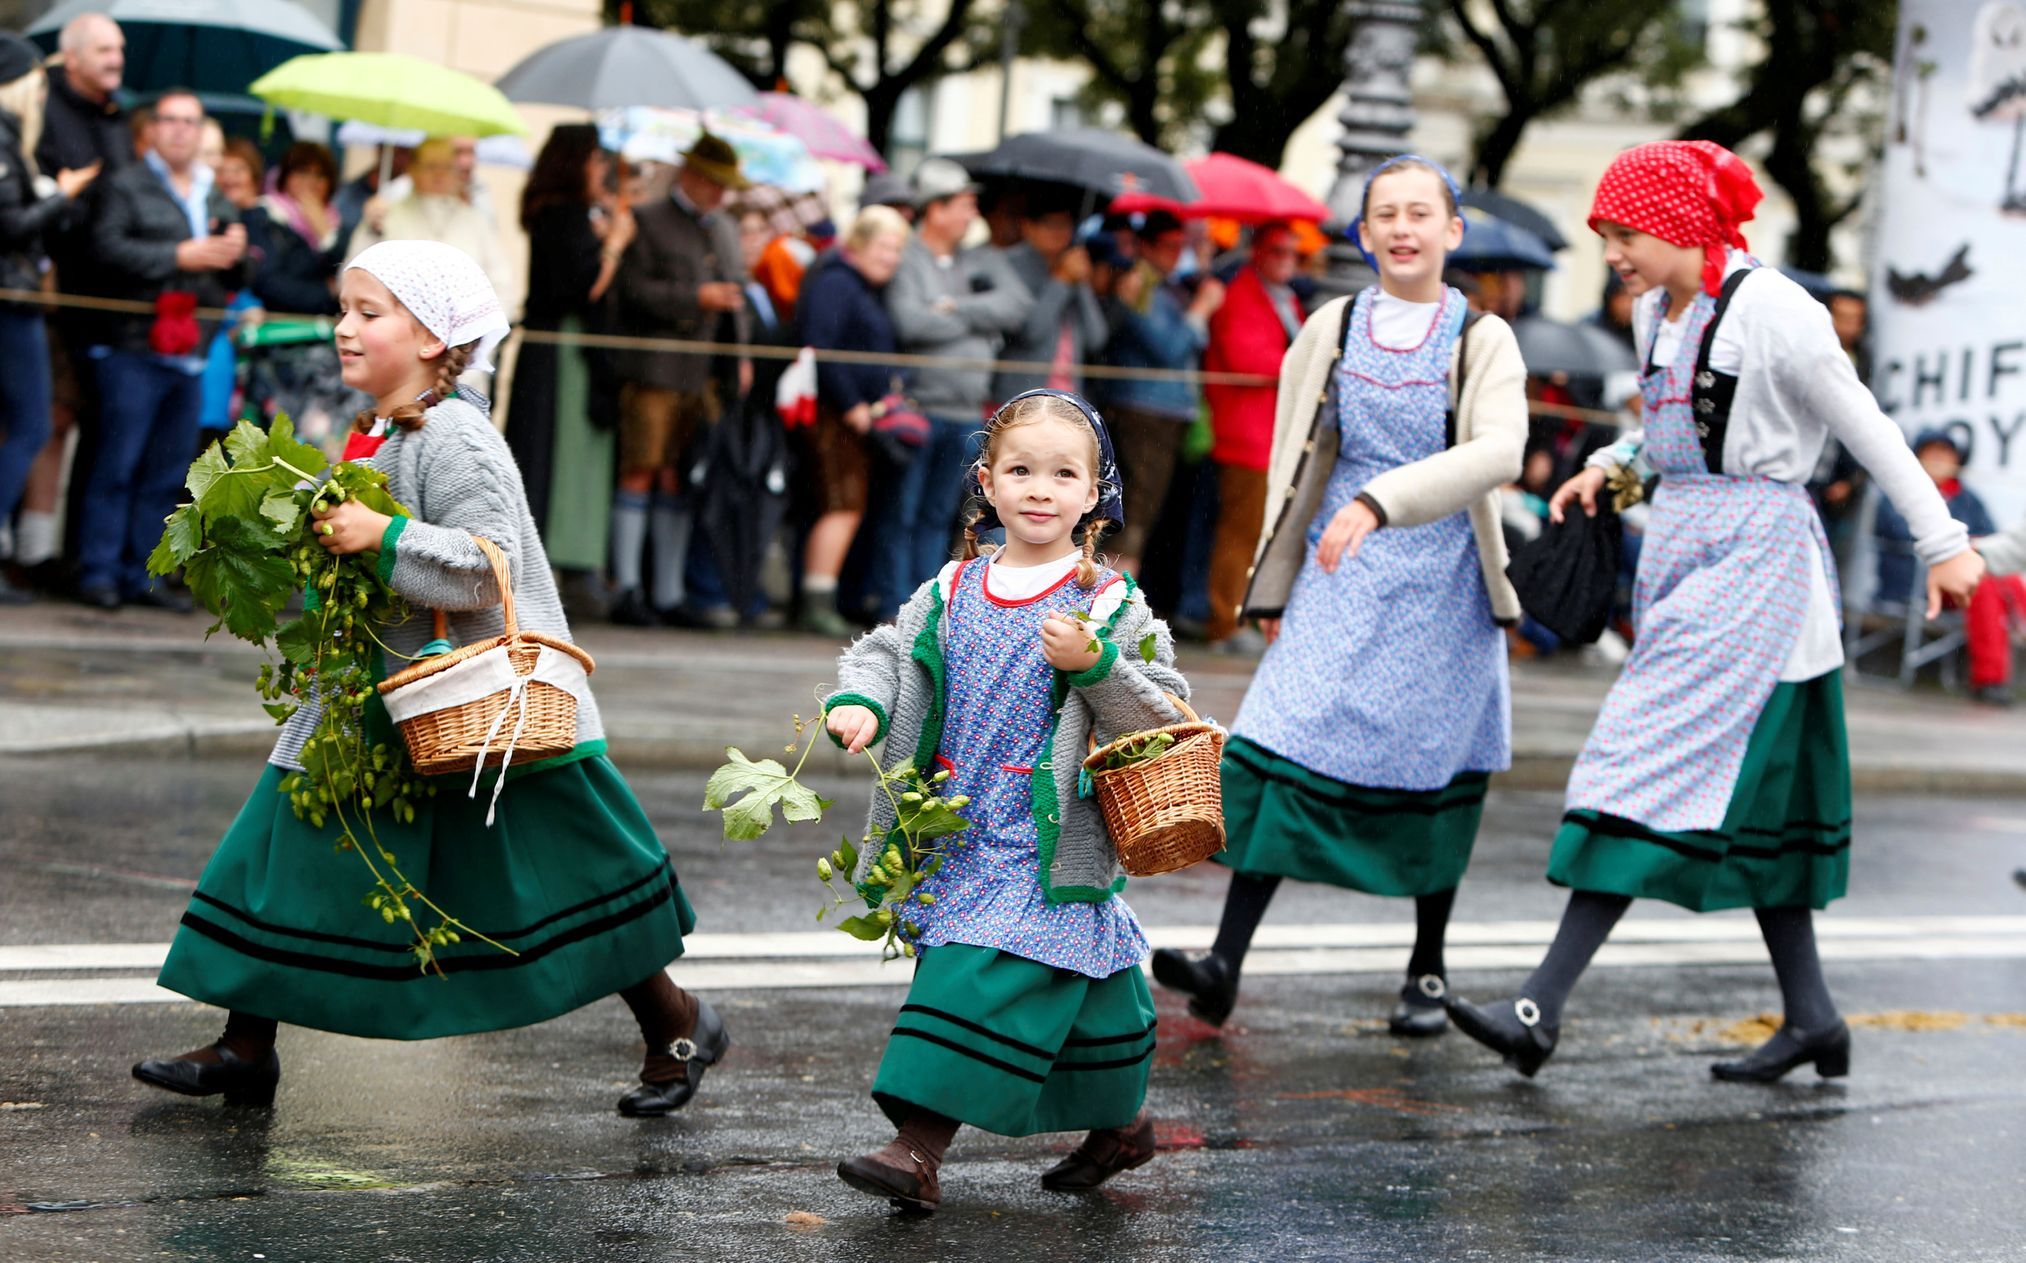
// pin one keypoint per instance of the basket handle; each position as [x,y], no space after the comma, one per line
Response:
[499,574]
[1187,714]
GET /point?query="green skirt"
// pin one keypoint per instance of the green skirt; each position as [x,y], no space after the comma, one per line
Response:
[1017,1047]
[1785,839]
[1283,820]
[570,875]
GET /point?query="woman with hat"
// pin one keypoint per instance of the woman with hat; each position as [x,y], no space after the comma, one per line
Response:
[1718,773]
[30,203]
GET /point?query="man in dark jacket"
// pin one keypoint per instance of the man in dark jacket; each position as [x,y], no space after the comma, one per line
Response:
[681,277]
[163,235]
[83,124]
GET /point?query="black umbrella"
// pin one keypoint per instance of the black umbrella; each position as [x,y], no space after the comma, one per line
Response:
[1102,163]
[1568,578]
[741,484]
[623,66]
[1517,213]
[209,46]
[1579,350]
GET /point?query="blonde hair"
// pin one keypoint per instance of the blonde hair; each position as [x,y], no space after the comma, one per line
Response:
[409,416]
[22,97]
[1029,411]
[873,223]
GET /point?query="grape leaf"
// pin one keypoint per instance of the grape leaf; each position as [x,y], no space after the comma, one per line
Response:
[297,642]
[207,469]
[758,788]
[242,578]
[247,445]
[284,445]
[235,492]
[1147,647]
[182,537]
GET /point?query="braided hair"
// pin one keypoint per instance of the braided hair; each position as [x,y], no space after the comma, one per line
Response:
[1011,417]
[409,416]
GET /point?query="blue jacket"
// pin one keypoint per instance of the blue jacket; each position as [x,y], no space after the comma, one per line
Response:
[1162,337]
[841,312]
[1895,564]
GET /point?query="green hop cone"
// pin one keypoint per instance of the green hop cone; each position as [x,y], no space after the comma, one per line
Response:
[823,869]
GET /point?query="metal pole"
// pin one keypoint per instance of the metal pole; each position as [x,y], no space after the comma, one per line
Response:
[1377,117]
[1009,47]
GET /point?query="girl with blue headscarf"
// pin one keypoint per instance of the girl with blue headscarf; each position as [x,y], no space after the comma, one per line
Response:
[1362,751]
[1028,1011]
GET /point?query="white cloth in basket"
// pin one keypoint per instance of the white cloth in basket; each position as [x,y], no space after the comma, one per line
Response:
[483,675]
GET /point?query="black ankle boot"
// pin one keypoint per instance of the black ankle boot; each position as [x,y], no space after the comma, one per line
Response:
[1513,1029]
[1211,984]
[1788,1048]
[701,1048]
[240,1081]
[1419,1014]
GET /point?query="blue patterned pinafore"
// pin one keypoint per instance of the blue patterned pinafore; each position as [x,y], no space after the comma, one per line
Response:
[999,709]
[1392,671]
[1719,602]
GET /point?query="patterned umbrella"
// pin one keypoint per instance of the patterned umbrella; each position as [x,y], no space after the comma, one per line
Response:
[816,128]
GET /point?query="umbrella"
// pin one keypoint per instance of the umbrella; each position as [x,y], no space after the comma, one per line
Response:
[1493,245]
[391,90]
[815,127]
[493,151]
[209,46]
[1579,350]
[740,485]
[624,66]
[1102,163]
[1234,188]
[644,134]
[1517,213]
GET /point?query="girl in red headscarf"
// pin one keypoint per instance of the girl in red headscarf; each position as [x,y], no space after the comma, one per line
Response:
[1718,774]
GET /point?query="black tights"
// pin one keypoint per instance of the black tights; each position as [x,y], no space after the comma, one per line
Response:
[1246,902]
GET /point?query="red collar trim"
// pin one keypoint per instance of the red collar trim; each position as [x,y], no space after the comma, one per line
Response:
[985,584]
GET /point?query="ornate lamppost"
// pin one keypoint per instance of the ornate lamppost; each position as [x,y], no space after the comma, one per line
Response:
[1377,116]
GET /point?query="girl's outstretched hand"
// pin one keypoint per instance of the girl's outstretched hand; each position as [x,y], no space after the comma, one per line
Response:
[1584,488]
[855,726]
[1067,644]
[1955,579]
[1346,531]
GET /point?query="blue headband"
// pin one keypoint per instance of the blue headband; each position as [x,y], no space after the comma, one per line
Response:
[1455,195]
[1110,490]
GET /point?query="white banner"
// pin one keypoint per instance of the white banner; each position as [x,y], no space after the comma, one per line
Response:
[1948,300]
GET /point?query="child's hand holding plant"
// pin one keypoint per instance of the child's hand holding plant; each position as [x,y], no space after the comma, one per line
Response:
[855,726]
[348,526]
[1068,644]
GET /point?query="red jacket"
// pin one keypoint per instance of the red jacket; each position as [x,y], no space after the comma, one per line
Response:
[1246,336]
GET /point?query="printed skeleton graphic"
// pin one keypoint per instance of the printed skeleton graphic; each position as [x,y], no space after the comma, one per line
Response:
[1998,82]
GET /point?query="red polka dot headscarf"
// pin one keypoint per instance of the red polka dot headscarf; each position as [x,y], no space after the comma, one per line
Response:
[1689,192]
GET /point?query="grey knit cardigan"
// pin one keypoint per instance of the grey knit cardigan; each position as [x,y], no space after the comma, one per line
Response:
[897,671]
[458,478]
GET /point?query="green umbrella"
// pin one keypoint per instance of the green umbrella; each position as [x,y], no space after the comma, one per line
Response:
[391,90]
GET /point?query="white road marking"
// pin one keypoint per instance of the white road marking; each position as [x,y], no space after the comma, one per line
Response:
[770,961]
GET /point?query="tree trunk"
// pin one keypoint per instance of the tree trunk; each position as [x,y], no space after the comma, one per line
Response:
[1496,146]
[882,102]
[1263,145]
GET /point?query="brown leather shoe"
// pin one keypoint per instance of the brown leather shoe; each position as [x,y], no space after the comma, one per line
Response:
[910,1187]
[1102,1155]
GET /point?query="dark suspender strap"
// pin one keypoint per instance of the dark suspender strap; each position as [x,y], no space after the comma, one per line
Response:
[1711,393]
[1462,370]
[1344,333]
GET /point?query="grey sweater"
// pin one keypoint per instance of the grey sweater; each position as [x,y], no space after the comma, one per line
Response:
[897,671]
[961,309]
[456,475]
[1056,306]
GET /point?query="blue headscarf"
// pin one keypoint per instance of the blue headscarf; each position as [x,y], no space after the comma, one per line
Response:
[1111,505]
[1455,195]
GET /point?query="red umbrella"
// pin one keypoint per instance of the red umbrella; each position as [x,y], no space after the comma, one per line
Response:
[1233,188]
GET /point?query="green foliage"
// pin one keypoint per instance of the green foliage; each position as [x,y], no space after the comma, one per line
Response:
[747,793]
[246,546]
[1144,747]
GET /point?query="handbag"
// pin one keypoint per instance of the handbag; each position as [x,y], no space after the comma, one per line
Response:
[1567,579]
[175,330]
[899,429]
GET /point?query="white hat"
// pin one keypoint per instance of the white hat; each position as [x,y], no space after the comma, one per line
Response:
[444,289]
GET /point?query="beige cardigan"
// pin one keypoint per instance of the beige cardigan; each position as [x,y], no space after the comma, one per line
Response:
[1491,436]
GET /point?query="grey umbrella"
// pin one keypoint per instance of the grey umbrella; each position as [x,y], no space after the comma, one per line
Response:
[1099,162]
[1517,213]
[1579,350]
[213,47]
[623,66]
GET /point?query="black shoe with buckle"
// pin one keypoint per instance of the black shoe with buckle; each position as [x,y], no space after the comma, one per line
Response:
[1419,1014]
[1789,1048]
[1514,1031]
[702,1048]
[241,1082]
[1211,985]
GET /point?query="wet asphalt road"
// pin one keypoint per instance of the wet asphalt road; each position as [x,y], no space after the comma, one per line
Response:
[1300,1131]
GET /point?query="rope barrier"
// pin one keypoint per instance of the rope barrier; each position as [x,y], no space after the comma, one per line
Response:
[759,350]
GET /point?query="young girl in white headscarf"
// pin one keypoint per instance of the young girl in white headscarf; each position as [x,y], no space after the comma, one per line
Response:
[569,875]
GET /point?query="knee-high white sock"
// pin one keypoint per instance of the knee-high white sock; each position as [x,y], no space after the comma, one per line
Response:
[629,537]
[669,524]
[35,537]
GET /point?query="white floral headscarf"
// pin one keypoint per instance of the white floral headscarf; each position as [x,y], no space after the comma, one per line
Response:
[444,288]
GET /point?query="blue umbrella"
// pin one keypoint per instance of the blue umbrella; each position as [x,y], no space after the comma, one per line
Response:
[215,47]
[1493,245]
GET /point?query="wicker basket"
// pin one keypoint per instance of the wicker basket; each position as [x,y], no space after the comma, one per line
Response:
[1166,813]
[455,739]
